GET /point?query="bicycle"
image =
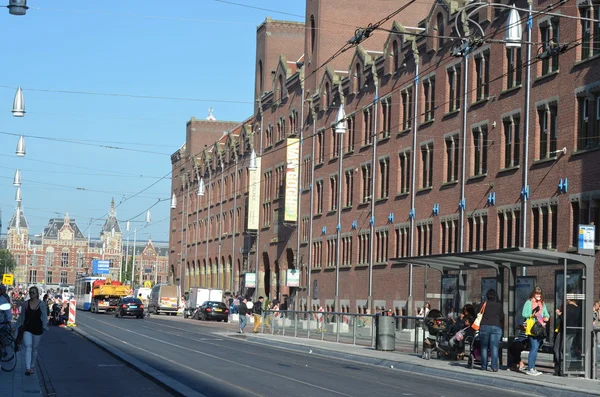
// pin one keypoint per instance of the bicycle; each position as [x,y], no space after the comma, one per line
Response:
[8,357]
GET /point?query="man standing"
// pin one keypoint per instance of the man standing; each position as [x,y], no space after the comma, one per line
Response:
[244,314]
[258,311]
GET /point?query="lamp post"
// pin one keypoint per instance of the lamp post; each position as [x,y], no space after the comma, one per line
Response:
[341,126]
[201,192]
[252,167]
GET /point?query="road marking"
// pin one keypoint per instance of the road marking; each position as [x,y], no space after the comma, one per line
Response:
[238,364]
[172,361]
[110,365]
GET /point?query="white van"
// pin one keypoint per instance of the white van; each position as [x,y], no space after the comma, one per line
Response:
[164,299]
[144,291]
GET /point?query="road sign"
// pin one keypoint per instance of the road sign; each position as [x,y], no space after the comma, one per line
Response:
[100,266]
[147,284]
[587,237]
[8,279]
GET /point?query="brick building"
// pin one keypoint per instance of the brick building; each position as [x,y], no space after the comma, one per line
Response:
[61,251]
[423,171]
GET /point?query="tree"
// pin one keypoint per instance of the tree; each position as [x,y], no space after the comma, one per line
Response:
[7,262]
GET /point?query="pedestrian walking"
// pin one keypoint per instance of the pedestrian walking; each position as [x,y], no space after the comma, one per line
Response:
[32,324]
[4,298]
[490,331]
[244,314]
[258,312]
[535,308]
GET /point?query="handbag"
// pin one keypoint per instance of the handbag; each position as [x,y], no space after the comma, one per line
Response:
[535,329]
[477,323]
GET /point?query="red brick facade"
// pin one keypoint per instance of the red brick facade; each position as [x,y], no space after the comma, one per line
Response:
[419,182]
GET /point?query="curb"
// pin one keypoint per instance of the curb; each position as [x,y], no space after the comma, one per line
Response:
[526,386]
[167,382]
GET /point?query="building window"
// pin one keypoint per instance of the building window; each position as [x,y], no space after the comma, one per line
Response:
[381,246]
[366,183]
[585,212]
[407,107]
[590,31]
[427,165]
[424,239]
[32,276]
[429,98]
[515,64]
[49,277]
[307,172]
[440,31]
[386,113]
[477,232]
[511,142]
[368,126]
[346,251]
[320,142]
[49,258]
[550,35]
[350,133]
[548,117]
[402,235]
[305,229]
[336,140]
[364,248]
[269,136]
[450,237]
[509,222]
[396,55]
[319,193]
[454,88]
[63,278]
[545,226]
[480,151]
[482,75]
[452,151]
[384,177]
[266,216]
[588,137]
[317,254]
[404,173]
[331,252]
[333,187]
[348,197]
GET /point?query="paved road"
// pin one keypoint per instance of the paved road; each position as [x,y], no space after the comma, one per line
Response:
[217,365]
[73,366]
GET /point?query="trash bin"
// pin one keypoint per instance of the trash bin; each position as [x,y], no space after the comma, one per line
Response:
[386,333]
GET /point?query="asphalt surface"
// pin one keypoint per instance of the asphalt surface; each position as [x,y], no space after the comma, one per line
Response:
[70,365]
[206,361]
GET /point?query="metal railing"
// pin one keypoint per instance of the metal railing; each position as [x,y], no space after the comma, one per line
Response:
[340,327]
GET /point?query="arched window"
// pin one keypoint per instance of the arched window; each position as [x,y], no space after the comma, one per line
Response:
[358,76]
[280,87]
[440,30]
[396,55]
[261,87]
[326,95]
[313,35]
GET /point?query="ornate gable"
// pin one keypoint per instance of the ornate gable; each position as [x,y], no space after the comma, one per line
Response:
[357,69]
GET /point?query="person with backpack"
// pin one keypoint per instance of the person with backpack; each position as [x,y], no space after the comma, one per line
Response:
[258,312]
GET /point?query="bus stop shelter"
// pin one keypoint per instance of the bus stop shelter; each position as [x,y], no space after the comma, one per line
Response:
[511,259]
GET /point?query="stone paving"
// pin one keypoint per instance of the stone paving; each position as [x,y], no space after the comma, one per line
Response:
[17,384]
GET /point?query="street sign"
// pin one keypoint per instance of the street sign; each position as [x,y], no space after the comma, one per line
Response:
[8,279]
[147,284]
[100,266]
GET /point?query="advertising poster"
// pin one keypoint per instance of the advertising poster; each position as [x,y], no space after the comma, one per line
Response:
[293,278]
[449,295]
[291,180]
[525,284]
[487,283]
[250,280]
[254,196]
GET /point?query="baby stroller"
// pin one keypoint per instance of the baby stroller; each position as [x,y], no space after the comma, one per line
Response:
[475,351]
[439,333]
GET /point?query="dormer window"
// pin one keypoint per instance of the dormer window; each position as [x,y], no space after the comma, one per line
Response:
[326,95]
[280,88]
[440,30]
[396,55]
[358,77]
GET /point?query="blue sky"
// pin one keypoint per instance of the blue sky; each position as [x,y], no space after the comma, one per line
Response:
[197,49]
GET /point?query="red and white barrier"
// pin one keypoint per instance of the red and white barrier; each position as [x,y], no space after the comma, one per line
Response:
[72,313]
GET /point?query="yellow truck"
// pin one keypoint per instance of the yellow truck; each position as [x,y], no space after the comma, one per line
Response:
[106,295]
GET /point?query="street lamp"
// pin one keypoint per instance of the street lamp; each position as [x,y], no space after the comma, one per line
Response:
[252,165]
[17,7]
[341,125]
[173,201]
[17,179]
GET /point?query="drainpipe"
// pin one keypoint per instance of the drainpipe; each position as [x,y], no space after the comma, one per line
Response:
[233,232]
[413,188]
[299,218]
[525,196]
[373,180]
[312,207]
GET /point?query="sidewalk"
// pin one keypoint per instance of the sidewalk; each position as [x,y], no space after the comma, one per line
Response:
[545,385]
[17,384]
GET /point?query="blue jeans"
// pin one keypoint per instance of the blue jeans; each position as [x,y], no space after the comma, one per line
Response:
[489,337]
[534,346]
[243,322]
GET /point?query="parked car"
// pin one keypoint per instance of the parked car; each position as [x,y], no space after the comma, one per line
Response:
[129,306]
[211,310]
